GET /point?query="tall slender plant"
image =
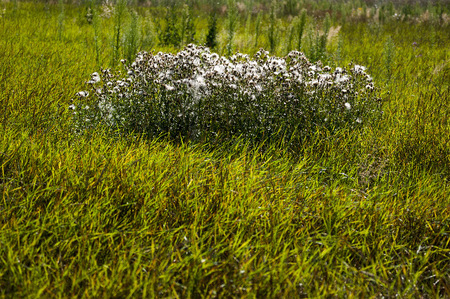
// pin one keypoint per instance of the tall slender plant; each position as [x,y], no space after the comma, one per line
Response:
[257,29]
[187,26]
[247,31]
[290,38]
[323,39]
[232,20]
[169,35]
[96,23]
[119,15]
[272,27]
[211,37]
[339,54]
[132,37]
[382,14]
[300,29]
[148,32]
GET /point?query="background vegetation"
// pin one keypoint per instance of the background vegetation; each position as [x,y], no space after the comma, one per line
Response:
[358,212]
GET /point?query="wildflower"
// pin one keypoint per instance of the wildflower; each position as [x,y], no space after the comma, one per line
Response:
[341,78]
[324,77]
[220,69]
[348,106]
[169,88]
[83,94]
[95,78]
[359,69]
[122,84]
[314,82]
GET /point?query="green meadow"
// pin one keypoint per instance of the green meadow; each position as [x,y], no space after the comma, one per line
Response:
[344,211]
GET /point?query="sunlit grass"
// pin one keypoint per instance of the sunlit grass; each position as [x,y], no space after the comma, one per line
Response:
[348,213]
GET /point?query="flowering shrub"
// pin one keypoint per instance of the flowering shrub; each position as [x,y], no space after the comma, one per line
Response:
[201,95]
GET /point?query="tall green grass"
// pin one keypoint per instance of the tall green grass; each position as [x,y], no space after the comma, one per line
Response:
[362,213]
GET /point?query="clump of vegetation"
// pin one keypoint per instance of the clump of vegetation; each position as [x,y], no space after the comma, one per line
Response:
[211,37]
[201,95]
[350,213]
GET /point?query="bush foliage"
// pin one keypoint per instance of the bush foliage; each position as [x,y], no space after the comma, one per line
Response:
[201,95]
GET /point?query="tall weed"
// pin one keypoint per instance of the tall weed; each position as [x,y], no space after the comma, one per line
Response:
[119,16]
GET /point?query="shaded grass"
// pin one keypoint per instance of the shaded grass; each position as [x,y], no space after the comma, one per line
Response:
[359,213]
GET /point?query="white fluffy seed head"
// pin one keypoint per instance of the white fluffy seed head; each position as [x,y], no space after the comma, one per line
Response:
[200,73]
[83,94]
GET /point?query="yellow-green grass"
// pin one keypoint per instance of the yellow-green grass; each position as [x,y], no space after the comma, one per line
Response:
[357,213]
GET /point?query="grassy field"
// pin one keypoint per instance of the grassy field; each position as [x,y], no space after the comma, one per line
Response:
[359,212]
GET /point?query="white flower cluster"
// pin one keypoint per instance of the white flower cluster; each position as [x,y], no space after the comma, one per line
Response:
[195,90]
[204,72]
